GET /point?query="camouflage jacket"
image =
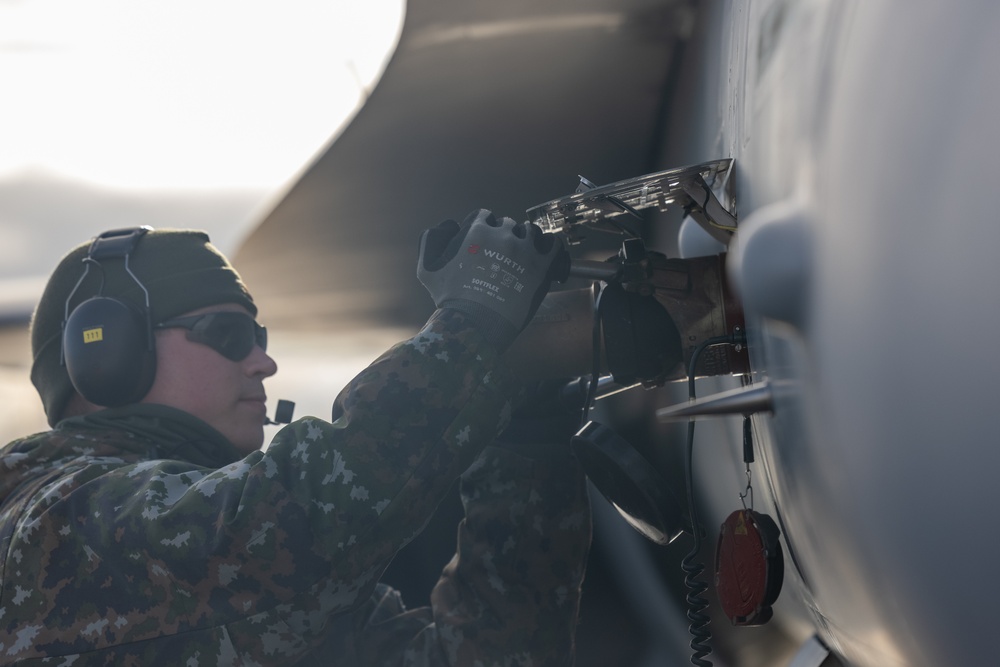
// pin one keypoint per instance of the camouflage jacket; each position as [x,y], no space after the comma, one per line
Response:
[137,537]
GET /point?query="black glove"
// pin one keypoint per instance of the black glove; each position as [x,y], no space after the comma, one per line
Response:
[497,272]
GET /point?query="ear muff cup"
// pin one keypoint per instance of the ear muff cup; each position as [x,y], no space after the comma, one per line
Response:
[109,352]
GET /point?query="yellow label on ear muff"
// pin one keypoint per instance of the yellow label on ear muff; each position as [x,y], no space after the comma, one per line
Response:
[94,335]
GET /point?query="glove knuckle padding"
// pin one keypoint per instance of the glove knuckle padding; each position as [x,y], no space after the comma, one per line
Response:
[499,264]
[482,215]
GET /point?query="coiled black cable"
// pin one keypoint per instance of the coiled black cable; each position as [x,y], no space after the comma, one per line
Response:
[701,635]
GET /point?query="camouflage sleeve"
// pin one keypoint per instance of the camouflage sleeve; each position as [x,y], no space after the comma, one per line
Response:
[511,594]
[404,430]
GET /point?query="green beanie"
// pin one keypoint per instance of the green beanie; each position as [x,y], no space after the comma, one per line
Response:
[181,270]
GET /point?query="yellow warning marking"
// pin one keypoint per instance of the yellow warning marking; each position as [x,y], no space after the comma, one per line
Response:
[94,335]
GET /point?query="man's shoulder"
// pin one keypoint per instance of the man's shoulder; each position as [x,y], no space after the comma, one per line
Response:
[68,437]
[68,447]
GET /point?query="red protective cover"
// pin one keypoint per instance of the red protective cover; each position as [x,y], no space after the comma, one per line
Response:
[749,567]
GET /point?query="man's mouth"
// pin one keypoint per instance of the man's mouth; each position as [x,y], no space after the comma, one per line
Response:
[256,399]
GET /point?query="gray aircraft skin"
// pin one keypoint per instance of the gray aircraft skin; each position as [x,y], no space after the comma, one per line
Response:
[862,136]
[866,144]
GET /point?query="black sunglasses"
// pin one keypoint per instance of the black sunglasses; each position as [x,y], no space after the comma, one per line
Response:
[232,335]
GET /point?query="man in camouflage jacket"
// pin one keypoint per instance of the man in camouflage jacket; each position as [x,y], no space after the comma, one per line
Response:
[142,535]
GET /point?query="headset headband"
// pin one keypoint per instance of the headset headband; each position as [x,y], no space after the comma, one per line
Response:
[113,244]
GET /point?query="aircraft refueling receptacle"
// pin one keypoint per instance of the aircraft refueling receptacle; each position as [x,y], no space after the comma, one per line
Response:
[647,320]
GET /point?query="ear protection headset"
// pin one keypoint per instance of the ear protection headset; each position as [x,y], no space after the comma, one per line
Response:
[107,343]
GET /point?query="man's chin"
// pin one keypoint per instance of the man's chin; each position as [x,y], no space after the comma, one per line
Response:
[249,439]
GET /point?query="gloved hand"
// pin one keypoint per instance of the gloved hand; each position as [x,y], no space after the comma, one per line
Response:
[495,271]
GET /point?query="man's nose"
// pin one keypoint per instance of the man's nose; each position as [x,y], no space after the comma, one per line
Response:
[260,363]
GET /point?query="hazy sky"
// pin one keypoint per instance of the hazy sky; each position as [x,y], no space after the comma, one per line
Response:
[171,113]
[182,93]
